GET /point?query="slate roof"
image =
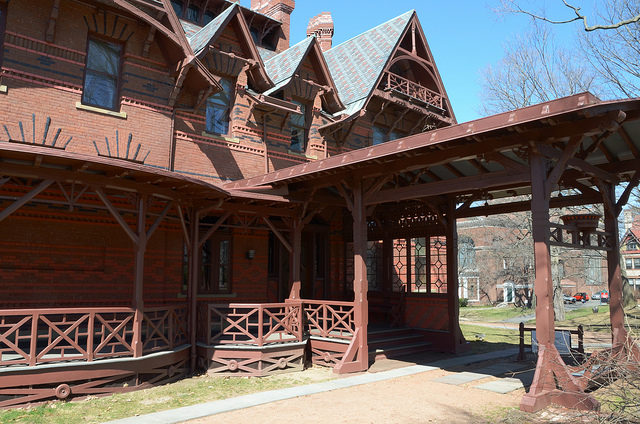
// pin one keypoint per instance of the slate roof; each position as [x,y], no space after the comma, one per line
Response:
[357,63]
[266,54]
[189,27]
[283,66]
[200,40]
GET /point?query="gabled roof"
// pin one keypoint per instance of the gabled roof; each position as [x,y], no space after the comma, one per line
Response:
[282,67]
[201,37]
[357,64]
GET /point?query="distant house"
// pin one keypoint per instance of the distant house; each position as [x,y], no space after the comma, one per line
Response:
[630,250]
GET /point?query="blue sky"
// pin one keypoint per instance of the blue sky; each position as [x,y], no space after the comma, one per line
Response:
[464,35]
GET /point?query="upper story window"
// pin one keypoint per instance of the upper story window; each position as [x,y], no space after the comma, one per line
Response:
[102,74]
[193,13]
[177,7]
[298,129]
[632,245]
[208,17]
[218,107]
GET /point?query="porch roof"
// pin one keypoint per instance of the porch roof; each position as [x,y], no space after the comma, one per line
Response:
[488,154]
[33,161]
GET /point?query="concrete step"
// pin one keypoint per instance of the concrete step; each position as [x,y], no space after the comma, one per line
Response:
[397,351]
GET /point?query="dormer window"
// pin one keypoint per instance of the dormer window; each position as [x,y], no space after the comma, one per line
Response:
[298,127]
[102,74]
[218,107]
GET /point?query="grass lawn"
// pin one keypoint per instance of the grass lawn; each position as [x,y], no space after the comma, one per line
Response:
[186,392]
[493,314]
[485,339]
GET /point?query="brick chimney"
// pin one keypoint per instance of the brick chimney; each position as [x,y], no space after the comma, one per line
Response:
[280,10]
[322,27]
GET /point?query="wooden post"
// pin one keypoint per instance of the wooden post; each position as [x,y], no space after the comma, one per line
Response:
[616,312]
[138,301]
[455,334]
[360,283]
[295,256]
[551,370]
[539,394]
[194,261]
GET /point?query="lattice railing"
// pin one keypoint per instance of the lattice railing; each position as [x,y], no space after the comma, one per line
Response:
[37,336]
[254,324]
[331,319]
[412,89]
[31,337]
[164,328]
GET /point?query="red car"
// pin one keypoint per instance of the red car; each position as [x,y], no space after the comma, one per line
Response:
[581,297]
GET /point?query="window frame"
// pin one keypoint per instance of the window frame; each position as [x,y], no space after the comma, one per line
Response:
[227,111]
[117,92]
[305,129]
[214,266]
[628,263]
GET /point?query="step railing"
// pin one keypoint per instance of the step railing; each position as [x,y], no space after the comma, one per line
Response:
[329,319]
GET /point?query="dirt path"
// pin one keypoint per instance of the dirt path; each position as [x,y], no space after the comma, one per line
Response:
[411,399]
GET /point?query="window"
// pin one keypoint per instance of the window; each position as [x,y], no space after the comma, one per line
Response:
[3,26]
[632,245]
[636,263]
[628,263]
[177,7]
[218,107]
[102,74]
[298,129]
[208,17]
[382,135]
[466,253]
[215,275]
[379,136]
[193,13]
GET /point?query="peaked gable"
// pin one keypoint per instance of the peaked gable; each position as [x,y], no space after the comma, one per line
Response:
[357,64]
[285,65]
[201,37]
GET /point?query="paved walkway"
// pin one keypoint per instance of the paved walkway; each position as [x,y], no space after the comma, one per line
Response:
[211,408]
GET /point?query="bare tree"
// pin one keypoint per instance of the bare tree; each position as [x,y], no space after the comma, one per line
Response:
[614,54]
[616,21]
[534,69]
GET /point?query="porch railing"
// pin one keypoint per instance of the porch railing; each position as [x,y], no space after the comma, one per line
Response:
[330,319]
[37,336]
[164,328]
[412,89]
[254,324]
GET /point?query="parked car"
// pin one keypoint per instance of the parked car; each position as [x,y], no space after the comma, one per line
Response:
[595,296]
[582,297]
[568,299]
[604,296]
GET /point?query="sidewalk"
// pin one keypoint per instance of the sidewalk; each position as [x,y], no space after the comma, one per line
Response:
[211,408]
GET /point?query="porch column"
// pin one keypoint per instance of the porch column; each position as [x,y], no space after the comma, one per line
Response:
[295,255]
[456,337]
[138,301]
[543,382]
[616,312]
[192,289]
[360,283]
